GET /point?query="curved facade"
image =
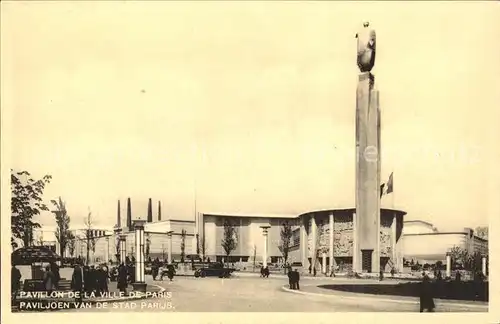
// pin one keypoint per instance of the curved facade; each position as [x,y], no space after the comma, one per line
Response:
[320,239]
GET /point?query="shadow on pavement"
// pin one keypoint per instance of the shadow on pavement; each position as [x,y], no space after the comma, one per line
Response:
[471,291]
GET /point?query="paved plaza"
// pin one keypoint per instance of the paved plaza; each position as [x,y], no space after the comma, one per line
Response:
[254,294]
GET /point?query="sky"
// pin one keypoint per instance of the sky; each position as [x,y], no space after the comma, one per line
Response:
[250,106]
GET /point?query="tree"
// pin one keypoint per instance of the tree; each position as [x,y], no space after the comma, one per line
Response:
[458,255]
[62,221]
[26,202]
[71,244]
[482,232]
[203,248]
[286,236]
[183,245]
[89,235]
[229,241]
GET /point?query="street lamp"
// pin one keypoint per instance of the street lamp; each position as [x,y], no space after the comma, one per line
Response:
[140,282]
[265,230]
[169,234]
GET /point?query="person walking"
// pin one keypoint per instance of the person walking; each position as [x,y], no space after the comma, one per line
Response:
[55,270]
[296,279]
[49,280]
[381,275]
[290,278]
[426,295]
[77,283]
[121,281]
[171,272]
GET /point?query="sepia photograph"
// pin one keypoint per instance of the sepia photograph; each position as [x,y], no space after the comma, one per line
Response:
[247,156]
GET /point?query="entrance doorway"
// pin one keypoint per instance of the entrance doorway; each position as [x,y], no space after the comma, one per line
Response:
[366,260]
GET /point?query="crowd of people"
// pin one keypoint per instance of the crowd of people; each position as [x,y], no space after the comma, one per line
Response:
[161,269]
[89,279]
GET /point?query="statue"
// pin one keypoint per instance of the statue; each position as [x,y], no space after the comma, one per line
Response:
[366,48]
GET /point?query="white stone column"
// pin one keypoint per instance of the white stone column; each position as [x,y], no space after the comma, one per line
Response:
[394,242]
[303,244]
[169,257]
[448,265]
[323,262]
[264,252]
[140,280]
[123,248]
[314,239]
[106,252]
[355,241]
[331,246]
[484,269]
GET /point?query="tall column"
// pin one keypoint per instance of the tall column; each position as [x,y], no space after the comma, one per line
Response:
[367,153]
[323,262]
[129,214]
[106,254]
[394,255]
[264,252]
[356,267]
[331,246]
[150,210]
[314,241]
[303,244]
[169,234]
[448,265]
[483,264]
[118,216]
[123,248]
[140,280]
[159,210]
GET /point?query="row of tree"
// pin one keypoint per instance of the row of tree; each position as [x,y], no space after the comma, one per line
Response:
[27,203]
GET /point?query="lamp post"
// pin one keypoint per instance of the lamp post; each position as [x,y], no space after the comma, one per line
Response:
[169,234]
[123,248]
[140,280]
[484,266]
[107,250]
[265,230]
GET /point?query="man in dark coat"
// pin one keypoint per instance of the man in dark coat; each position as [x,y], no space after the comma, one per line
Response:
[87,284]
[15,282]
[77,283]
[122,278]
[171,272]
[290,278]
[296,279]
[55,270]
[426,295]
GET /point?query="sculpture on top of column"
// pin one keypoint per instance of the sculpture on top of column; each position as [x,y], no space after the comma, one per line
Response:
[366,48]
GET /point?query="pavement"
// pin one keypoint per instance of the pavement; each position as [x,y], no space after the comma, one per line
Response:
[255,294]
[446,305]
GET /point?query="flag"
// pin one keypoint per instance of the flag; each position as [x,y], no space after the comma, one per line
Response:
[390,184]
[382,189]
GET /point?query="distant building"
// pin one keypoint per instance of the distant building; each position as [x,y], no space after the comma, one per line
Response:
[424,243]
[320,239]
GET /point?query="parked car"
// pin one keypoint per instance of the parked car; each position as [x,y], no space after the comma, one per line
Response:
[213,270]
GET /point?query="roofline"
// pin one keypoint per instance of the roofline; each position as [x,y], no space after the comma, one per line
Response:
[294,216]
[418,221]
[435,233]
